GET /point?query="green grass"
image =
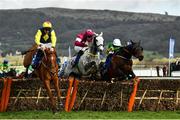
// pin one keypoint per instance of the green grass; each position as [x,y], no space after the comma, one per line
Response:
[91,115]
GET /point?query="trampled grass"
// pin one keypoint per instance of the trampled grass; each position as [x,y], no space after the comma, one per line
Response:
[91,115]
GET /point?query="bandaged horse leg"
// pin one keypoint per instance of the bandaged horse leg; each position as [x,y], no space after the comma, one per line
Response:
[71,80]
[56,85]
[74,92]
[48,88]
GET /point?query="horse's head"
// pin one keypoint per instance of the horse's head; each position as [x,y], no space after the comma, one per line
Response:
[136,50]
[97,44]
[49,60]
[99,40]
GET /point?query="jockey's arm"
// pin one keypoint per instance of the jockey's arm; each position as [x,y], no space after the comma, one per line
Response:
[110,49]
[78,42]
[53,38]
[38,37]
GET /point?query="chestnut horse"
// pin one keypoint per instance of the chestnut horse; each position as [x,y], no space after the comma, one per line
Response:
[121,62]
[47,71]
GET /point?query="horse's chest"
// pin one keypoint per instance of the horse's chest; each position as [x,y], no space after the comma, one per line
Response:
[87,60]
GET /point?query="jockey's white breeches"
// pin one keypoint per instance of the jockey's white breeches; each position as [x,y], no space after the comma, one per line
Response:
[46,45]
[78,48]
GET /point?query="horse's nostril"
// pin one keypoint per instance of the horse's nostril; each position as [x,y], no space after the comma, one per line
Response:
[141,58]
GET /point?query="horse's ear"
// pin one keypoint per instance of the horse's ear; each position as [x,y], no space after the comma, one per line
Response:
[101,34]
[131,41]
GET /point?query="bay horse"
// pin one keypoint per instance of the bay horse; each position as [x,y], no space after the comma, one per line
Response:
[47,71]
[121,62]
[88,65]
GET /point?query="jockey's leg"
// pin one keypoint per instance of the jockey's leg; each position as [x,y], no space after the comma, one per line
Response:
[80,53]
[106,64]
[36,58]
[108,60]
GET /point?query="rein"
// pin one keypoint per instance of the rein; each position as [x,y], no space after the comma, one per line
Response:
[28,51]
[126,50]
[100,45]
[51,73]
[92,55]
[45,65]
[123,57]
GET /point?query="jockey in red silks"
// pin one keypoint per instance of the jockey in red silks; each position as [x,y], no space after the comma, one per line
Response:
[81,44]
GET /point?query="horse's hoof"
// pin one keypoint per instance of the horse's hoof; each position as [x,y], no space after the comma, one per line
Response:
[61,104]
[61,107]
[55,111]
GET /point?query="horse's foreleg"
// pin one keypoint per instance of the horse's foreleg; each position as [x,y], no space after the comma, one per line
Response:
[71,79]
[48,88]
[26,72]
[56,85]
[73,98]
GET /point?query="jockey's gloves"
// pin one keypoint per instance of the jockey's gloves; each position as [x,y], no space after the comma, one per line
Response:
[52,49]
[84,49]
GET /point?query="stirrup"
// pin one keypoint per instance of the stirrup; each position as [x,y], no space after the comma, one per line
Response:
[34,66]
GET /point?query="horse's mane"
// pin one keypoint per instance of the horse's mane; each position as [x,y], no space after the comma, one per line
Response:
[93,47]
[124,52]
[128,50]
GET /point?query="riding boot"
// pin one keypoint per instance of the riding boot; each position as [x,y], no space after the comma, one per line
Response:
[80,53]
[36,59]
[107,64]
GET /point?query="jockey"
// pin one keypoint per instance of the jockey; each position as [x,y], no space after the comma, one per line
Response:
[129,42]
[44,36]
[81,44]
[5,65]
[112,48]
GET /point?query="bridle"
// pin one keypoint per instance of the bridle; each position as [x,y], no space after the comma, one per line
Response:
[129,52]
[46,63]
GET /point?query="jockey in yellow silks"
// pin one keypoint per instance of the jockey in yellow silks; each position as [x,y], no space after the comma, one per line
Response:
[45,36]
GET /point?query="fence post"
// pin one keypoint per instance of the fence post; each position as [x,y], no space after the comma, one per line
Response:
[8,90]
[3,95]
[133,94]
